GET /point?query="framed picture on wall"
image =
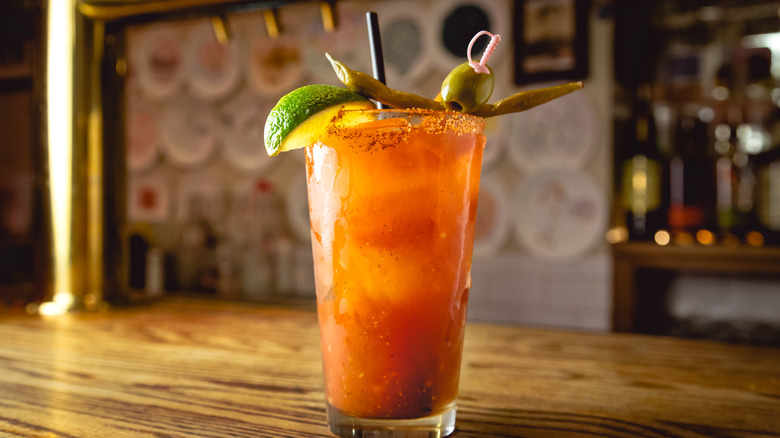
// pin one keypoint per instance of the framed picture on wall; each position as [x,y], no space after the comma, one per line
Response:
[551,40]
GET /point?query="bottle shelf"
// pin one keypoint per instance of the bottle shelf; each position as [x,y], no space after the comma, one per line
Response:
[636,295]
[712,95]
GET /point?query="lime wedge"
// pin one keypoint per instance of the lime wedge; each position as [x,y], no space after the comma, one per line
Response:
[301,116]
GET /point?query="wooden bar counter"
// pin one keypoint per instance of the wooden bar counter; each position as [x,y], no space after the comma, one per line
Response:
[190,368]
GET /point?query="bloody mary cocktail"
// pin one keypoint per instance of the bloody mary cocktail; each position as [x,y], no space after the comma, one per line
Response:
[392,200]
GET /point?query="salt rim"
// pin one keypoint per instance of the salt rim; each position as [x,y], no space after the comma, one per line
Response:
[378,129]
[413,118]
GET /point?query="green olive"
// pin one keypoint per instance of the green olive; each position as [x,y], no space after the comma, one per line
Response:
[464,90]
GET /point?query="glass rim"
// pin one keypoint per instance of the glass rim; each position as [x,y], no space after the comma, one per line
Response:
[411,111]
[428,119]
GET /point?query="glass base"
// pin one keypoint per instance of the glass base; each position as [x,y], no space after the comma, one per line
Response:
[435,426]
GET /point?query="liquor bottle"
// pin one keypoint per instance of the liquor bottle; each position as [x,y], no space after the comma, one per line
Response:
[727,117]
[642,173]
[691,176]
[259,267]
[757,105]
[768,196]
[196,250]
[768,174]
[752,139]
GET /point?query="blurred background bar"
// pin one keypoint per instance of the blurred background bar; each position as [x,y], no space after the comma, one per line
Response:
[132,164]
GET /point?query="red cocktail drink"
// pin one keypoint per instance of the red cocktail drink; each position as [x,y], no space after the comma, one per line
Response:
[393,200]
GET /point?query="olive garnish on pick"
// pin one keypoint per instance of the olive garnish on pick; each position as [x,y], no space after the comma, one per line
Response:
[466,89]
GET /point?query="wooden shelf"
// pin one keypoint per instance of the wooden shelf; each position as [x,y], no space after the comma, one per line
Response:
[630,259]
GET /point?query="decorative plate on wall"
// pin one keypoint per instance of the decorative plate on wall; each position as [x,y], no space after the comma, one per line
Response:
[492,224]
[560,214]
[275,64]
[143,135]
[455,22]
[407,55]
[242,130]
[213,68]
[348,43]
[561,133]
[190,131]
[496,130]
[160,63]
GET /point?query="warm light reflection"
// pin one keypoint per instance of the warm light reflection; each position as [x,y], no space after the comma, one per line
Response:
[52,308]
[662,237]
[59,137]
[705,237]
[617,235]
[60,304]
[754,238]
[639,182]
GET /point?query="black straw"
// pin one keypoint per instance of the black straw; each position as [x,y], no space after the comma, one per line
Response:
[377,58]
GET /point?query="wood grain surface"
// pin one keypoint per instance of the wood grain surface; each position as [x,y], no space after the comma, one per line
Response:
[188,368]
